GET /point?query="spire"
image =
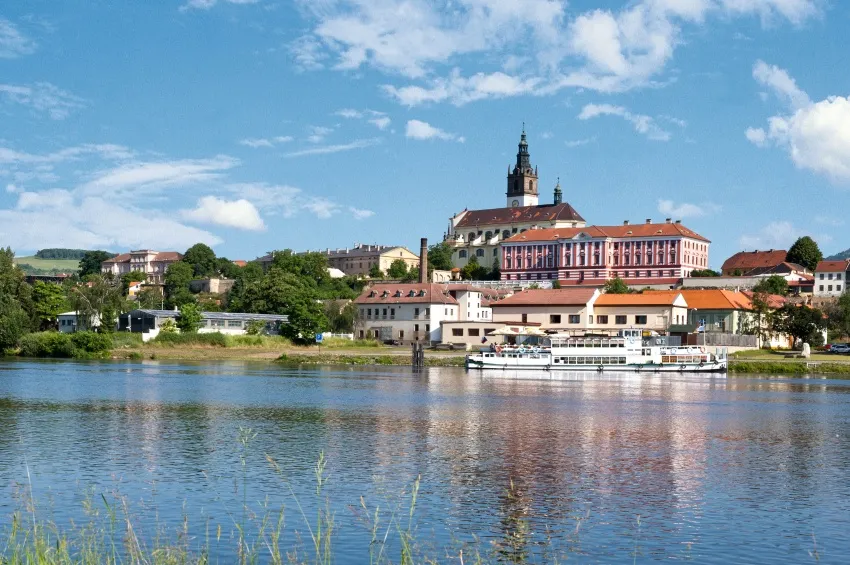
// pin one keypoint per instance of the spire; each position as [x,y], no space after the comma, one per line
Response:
[523,159]
[558,194]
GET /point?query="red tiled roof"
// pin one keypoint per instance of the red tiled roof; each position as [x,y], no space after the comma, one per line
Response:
[122,258]
[168,256]
[636,230]
[747,260]
[658,298]
[240,263]
[831,267]
[544,297]
[400,294]
[546,213]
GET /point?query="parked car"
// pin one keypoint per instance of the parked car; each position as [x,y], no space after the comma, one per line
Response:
[840,348]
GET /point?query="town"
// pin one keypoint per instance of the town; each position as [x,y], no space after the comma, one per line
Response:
[529,265]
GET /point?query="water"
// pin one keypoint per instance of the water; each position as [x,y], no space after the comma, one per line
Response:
[594,469]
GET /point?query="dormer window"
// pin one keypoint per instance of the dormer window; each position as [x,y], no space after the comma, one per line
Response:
[421,293]
[412,293]
[372,294]
[385,294]
[397,294]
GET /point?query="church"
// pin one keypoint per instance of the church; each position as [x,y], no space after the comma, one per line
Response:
[480,233]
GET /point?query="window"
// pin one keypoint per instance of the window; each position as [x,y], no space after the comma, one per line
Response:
[506,234]
[474,332]
[217,323]
[427,312]
[602,320]
[821,287]
[575,318]
[640,320]
[838,287]
[479,252]
[838,276]
[427,327]
[457,332]
[525,318]
[234,323]
[416,311]
[462,253]
[416,327]
[829,276]
[554,318]
[821,277]
[829,288]
[620,320]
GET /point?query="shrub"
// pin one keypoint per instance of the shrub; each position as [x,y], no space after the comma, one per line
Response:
[168,326]
[255,327]
[47,344]
[215,339]
[92,343]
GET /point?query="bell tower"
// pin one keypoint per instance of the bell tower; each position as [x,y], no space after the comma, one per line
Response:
[522,181]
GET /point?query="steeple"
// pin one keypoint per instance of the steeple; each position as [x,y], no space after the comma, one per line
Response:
[522,181]
[559,197]
[523,159]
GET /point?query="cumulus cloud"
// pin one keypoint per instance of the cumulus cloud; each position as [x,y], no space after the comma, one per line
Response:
[53,198]
[816,135]
[422,130]
[42,98]
[460,90]
[686,209]
[643,124]
[360,214]
[775,235]
[240,214]
[13,43]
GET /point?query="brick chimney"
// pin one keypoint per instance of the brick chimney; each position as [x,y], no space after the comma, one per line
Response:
[423,260]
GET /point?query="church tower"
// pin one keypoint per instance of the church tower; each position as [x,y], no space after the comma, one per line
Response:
[522,181]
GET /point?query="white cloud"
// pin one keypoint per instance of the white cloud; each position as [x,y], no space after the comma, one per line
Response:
[643,124]
[328,149]
[579,142]
[360,214]
[460,90]
[12,189]
[13,43]
[53,198]
[318,133]
[775,235]
[795,11]
[133,178]
[422,130]
[381,123]
[685,209]
[815,134]
[322,207]
[349,113]
[378,119]
[107,151]
[240,214]
[285,200]
[43,97]
[257,143]
[207,4]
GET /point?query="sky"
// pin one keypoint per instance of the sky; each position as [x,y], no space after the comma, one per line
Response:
[254,125]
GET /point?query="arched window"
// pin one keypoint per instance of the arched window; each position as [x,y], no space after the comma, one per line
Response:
[531,186]
[479,252]
[462,253]
[506,234]
[471,237]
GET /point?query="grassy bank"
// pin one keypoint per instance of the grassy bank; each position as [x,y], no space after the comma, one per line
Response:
[353,359]
[789,367]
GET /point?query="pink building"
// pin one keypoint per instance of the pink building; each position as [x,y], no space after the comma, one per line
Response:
[639,254]
[154,263]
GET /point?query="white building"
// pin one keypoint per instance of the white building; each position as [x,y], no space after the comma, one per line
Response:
[153,263]
[148,322]
[416,311]
[831,278]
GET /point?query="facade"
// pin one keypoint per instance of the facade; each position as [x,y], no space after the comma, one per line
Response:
[744,263]
[69,322]
[416,311]
[212,285]
[831,279]
[650,311]
[556,309]
[479,233]
[153,263]
[641,254]
[359,260]
[148,322]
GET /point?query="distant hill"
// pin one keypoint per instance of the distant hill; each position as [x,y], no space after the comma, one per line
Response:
[33,265]
[839,256]
[58,253]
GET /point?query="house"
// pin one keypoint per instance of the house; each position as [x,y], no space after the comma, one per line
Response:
[69,322]
[745,262]
[650,311]
[360,259]
[645,254]
[550,309]
[148,322]
[831,278]
[152,263]
[410,312]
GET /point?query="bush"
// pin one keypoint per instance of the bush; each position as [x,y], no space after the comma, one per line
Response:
[215,339]
[47,344]
[90,342]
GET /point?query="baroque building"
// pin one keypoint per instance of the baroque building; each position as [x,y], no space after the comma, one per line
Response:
[479,233]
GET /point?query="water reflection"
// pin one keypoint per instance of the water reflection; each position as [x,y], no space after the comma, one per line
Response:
[537,466]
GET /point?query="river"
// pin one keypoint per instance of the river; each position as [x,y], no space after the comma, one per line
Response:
[582,468]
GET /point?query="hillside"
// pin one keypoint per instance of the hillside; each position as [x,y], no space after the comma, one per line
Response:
[839,256]
[36,266]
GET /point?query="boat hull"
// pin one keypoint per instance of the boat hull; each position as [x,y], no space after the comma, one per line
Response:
[512,364]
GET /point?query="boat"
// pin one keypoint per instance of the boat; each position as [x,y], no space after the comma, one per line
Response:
[628,350]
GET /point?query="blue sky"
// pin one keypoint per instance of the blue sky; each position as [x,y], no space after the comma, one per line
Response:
[259,125]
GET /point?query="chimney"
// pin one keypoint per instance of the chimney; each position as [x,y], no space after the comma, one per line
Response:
[668,220]
[649,220]
[678,221]
[423,260]
[625,222]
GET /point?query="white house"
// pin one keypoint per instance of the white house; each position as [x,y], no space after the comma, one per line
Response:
[69,322]
[831,278]
[148,322]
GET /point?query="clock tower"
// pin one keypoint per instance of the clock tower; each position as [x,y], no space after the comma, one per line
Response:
[522,181]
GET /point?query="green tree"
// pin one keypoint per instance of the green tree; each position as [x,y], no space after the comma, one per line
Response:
[375,272]
[839,315]
[496,270]
[150,298]
[202,259]
[704,273]
[190,318]
[131,277]
[255,327]
[98,302]
[397,270]
[774,284]
[340,316]
[48,302]
[177,279]
[311,265]
[802,323]
[227,268]
[616,286]
[440,257]
[411,276]
[805,252]
[168,327]
[91,262]
[14,322]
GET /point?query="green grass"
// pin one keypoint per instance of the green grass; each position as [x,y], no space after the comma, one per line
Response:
[65,265]
[293,359]
[789,368]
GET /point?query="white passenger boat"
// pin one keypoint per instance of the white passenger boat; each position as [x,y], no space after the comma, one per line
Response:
[629,350]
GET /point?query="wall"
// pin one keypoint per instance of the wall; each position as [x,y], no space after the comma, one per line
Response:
[471,341]
[541,315]
[837,285]
[658,318]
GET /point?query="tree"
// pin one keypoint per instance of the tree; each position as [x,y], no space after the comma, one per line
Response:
[14,288]
[48,302]
[202,259]
[227,268]
[91,262]
[177,279]
[839,315]
[150,298]
[704,273]
[412,275]
[496,271]
[131,277]
[168,327]
[440,257]
[340,316]
[397,270]
[190,318]
[375,272]
[805,252]
[14,322]
[760,321]
[802,323]
[98,302]
[774,284]
[616,286]
[556,284]
[473,271]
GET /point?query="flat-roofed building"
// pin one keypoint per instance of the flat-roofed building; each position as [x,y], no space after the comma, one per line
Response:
[148,322]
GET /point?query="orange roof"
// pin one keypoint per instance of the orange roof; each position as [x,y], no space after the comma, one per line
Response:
[547,297]
[719,299]
[746,260]
[831,267]
[630,230]
[240,262]
[543,213]
[659,298]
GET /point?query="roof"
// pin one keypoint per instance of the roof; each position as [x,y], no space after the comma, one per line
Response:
[214,315]
[720,299]
[410,293]
[831,267]
[240,262]
[544,297]
[748,260]
[161,256]
[660,298]
[622,231]
[546,213]
[782,268]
